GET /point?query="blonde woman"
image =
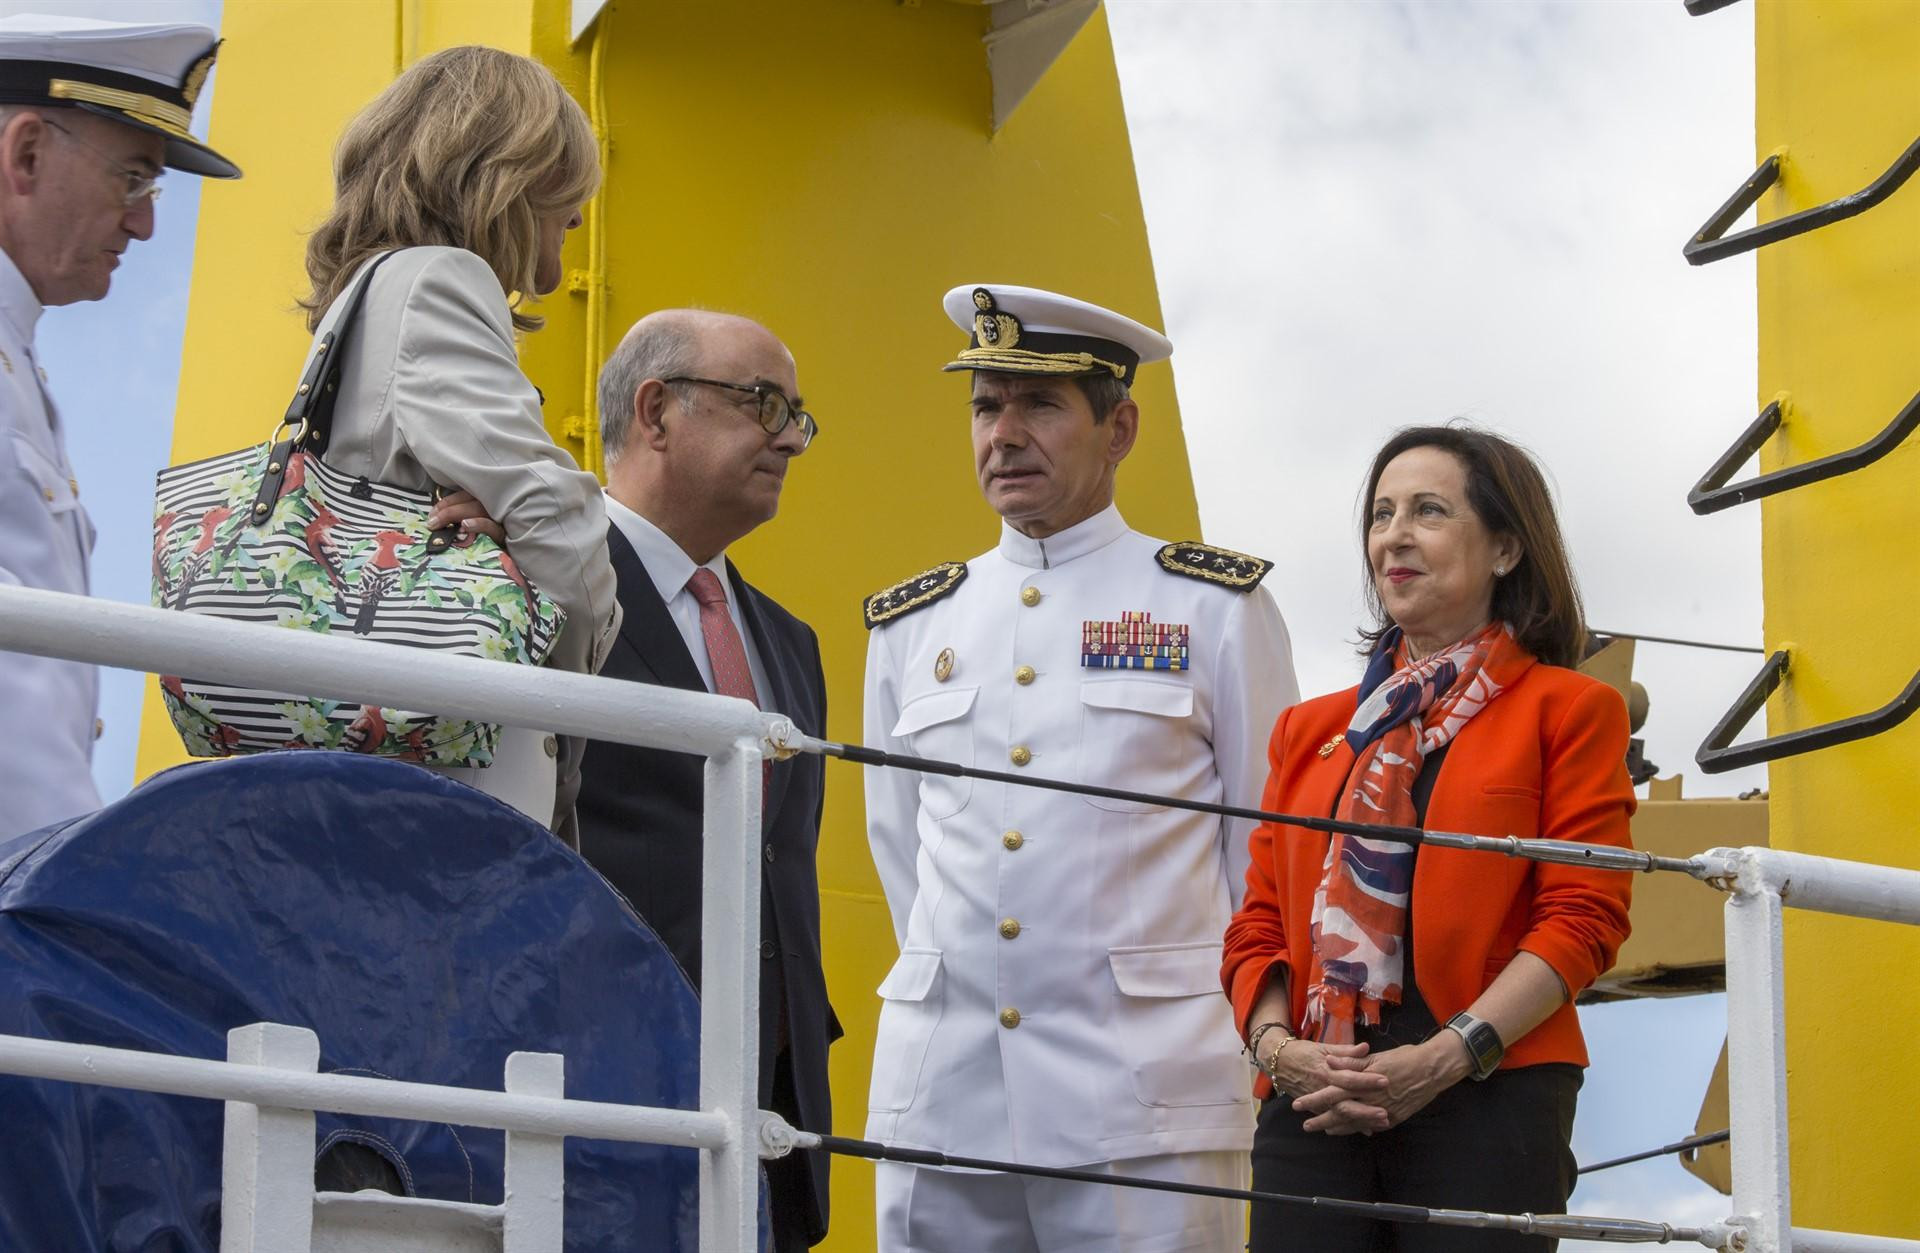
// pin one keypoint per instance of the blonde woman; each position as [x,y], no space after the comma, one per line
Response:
[476,163]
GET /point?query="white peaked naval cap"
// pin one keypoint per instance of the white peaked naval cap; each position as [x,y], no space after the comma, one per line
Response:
[143,74]
[1023,330]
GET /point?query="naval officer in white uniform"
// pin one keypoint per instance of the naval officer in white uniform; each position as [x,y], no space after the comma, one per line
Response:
[91,113]
[1057,996]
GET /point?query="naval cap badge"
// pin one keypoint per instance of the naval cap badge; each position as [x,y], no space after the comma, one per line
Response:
[992,328]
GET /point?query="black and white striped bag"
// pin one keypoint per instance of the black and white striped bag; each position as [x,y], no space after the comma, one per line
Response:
[272,534]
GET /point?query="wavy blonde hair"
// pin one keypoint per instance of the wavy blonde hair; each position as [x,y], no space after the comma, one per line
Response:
[469,148]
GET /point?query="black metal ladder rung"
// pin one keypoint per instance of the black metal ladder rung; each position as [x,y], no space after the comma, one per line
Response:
[1707,244]
[1718,752]
[1713,493]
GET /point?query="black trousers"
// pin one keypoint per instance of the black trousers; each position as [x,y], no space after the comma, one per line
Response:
[1501,1145]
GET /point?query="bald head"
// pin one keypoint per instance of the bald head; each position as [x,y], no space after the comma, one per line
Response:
[673,343]
[680,420]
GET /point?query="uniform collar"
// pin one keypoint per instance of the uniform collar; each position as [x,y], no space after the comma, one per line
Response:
[18,304]
[1076,541]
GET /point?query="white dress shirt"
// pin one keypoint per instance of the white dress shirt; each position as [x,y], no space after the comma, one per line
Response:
[669,567]
[1057,997]
[46,771]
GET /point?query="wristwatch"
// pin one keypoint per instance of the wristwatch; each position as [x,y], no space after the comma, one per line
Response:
[1483,1043]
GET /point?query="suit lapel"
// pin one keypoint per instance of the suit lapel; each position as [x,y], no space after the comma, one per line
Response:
[648,628]
[772,648]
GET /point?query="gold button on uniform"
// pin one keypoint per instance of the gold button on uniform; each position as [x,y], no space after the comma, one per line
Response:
[1009,928]
[1013,840]
[1020,755]
[99,728]
[48,493]
[1023,676]
[1009,1018]
[1029,596]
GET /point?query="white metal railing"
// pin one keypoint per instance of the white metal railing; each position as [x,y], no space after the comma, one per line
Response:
[733,736]
[1762,883]
[728,1129]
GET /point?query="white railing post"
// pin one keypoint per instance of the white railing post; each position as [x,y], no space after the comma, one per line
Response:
[266,1173]
[536,1165]
[1757,1066]
[730,998]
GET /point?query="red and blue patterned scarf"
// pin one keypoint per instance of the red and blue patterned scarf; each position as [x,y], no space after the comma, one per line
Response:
[1407,709]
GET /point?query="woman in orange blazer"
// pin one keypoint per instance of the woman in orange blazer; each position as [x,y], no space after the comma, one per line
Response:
[1369,977]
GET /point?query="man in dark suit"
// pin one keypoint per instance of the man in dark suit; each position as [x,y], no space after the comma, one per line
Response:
[700,417]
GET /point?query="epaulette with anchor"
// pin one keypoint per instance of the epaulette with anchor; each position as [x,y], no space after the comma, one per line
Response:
[1216,565]
[915,593]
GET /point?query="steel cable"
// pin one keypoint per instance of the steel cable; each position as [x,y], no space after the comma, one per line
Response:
[1678,1146]
[1564,852]
[1559,1226]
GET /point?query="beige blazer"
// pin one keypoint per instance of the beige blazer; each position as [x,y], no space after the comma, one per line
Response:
[431,392]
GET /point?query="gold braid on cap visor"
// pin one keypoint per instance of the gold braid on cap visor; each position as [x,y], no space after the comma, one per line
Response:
[152,110]
[1025,361]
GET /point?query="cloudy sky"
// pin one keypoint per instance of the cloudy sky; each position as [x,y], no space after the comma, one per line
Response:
[1365,215]
[1362,215]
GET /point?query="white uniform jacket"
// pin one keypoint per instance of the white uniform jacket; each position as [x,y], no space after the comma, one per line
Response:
[46,772]
[1057,996]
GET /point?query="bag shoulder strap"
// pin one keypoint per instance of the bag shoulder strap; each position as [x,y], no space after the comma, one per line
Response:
[312,403]
[310,414]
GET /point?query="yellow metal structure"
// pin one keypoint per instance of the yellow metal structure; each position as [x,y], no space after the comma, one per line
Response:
[828,168]
[1839,317]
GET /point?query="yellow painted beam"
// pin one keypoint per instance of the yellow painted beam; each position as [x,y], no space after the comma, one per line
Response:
[1838,324]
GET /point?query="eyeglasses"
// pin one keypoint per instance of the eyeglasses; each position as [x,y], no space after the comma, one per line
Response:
[775,409]
[139,186]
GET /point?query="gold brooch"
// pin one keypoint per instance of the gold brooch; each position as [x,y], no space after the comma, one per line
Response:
[1326,750]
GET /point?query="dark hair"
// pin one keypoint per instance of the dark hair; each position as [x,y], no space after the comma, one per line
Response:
[1104,393]
[1508,492]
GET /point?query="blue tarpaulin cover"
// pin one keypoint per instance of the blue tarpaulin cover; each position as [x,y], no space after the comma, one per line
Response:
[422,930]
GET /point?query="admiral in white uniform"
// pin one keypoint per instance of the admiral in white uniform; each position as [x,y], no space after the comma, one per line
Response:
[90,114]
[1057,997]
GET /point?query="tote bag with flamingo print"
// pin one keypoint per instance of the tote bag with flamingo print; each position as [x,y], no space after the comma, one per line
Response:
[272,534]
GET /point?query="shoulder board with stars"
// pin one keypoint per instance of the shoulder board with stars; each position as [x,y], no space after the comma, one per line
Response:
[1215,565]
[915,593]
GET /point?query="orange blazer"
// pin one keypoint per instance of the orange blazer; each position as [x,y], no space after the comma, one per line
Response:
[1546,759]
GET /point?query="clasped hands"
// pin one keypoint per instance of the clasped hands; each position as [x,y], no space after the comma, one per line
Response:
[1348,1090]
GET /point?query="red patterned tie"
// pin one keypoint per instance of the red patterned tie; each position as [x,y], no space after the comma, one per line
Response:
[726,655]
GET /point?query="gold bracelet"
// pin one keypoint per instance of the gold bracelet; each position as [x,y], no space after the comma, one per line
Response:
[1253,1047]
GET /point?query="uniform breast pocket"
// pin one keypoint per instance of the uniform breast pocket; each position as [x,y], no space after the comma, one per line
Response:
[44,477]
[1132,735]
[937,725]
